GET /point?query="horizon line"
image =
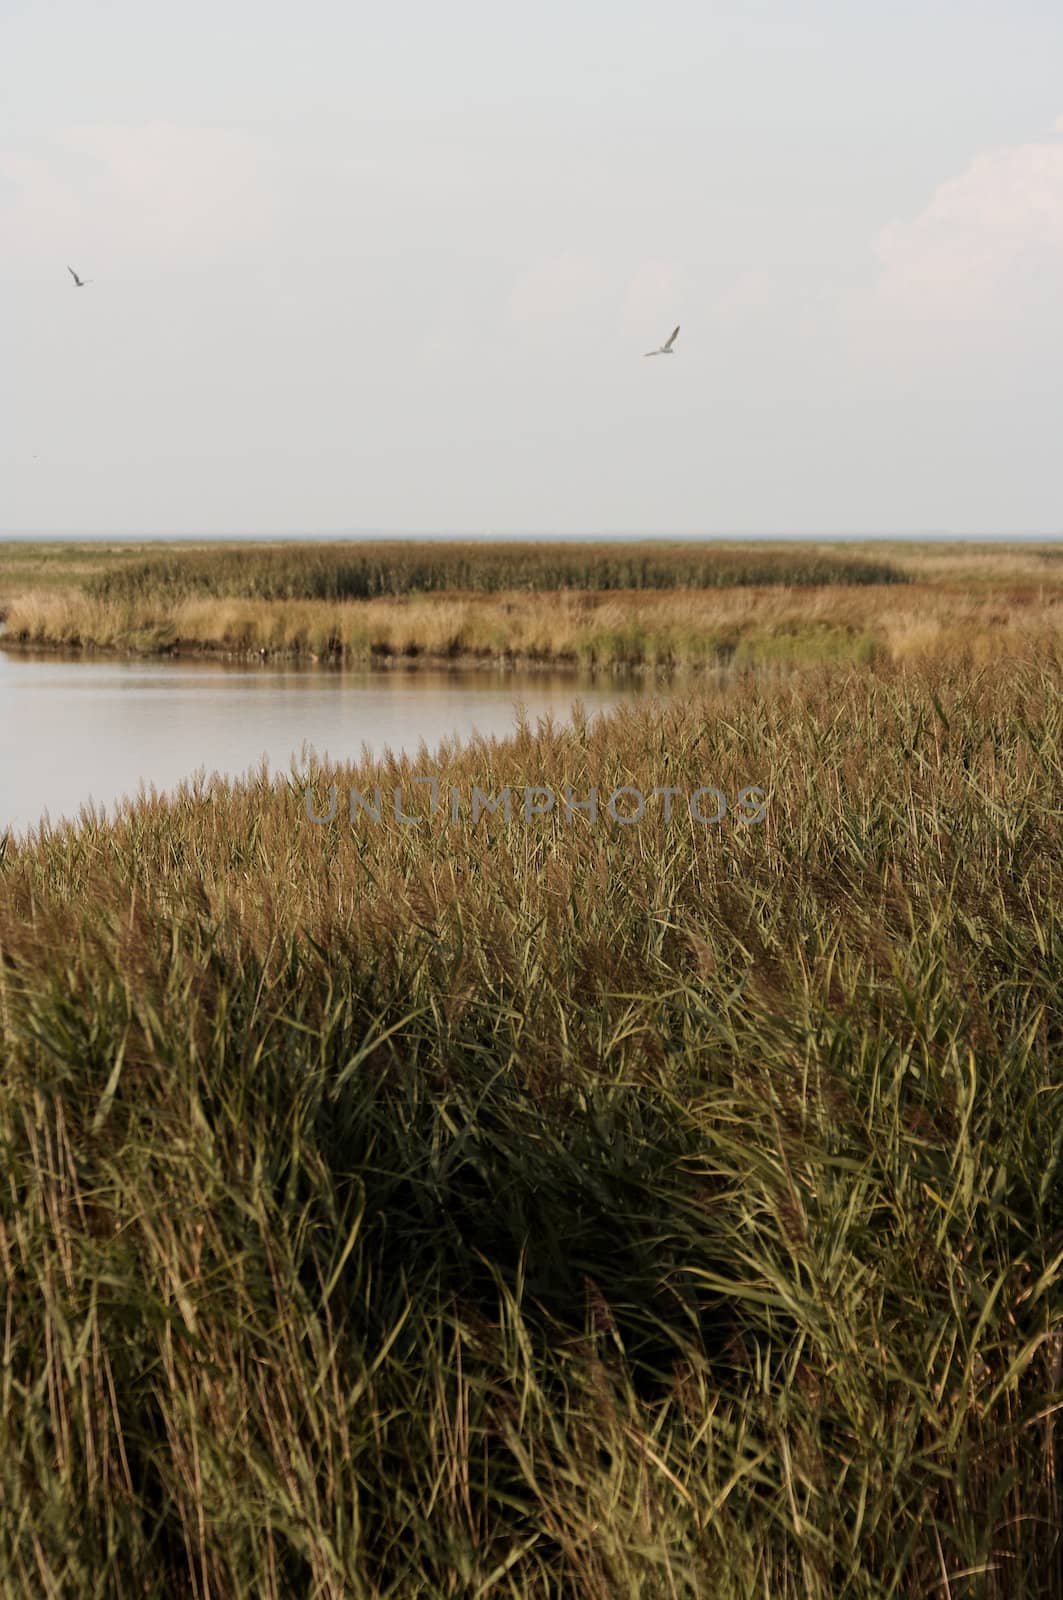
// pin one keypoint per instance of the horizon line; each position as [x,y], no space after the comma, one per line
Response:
[171,535]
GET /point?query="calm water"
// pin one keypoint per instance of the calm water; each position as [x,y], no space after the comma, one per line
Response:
[73,731]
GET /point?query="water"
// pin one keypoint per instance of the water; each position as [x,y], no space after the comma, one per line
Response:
[88,730]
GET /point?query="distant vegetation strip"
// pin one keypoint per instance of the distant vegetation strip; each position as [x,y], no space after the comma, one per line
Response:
[664,629]
[371,570]
[694,605]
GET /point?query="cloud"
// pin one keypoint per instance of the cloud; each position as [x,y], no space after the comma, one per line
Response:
[653,295]
[557,287]
[988,240]
[130,193]
[750,294]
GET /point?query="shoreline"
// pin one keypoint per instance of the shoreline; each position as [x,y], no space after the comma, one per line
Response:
[651,614]
[376,661]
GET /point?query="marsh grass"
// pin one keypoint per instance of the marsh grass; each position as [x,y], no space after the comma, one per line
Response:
[669,630]
[694,607]
[368,570]
[53,566]
[551,1209]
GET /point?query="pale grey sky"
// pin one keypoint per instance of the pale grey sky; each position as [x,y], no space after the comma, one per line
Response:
[368,267]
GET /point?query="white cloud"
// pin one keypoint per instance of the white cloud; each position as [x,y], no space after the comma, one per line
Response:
[554,287]
[558,287]
[653,296]
[751,293]
[135,193]
[983,245]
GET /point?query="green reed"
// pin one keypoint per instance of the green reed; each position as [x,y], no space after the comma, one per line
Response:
[365,570]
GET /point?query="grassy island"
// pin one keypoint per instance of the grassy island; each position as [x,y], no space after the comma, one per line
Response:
[623,606]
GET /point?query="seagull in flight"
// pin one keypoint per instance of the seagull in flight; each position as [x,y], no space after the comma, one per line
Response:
[666,348]
[81,282]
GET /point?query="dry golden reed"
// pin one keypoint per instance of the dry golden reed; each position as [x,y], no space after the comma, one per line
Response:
[551,1209]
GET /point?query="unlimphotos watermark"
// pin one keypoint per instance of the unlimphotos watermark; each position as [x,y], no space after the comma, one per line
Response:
[626,805]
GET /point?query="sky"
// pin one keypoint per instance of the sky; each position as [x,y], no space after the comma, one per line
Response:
[394,268]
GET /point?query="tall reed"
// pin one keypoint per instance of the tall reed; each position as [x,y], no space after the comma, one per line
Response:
[365,570]
[550,1208]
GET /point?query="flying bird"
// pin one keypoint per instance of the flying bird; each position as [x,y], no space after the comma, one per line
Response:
[666,348]
[81,282]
